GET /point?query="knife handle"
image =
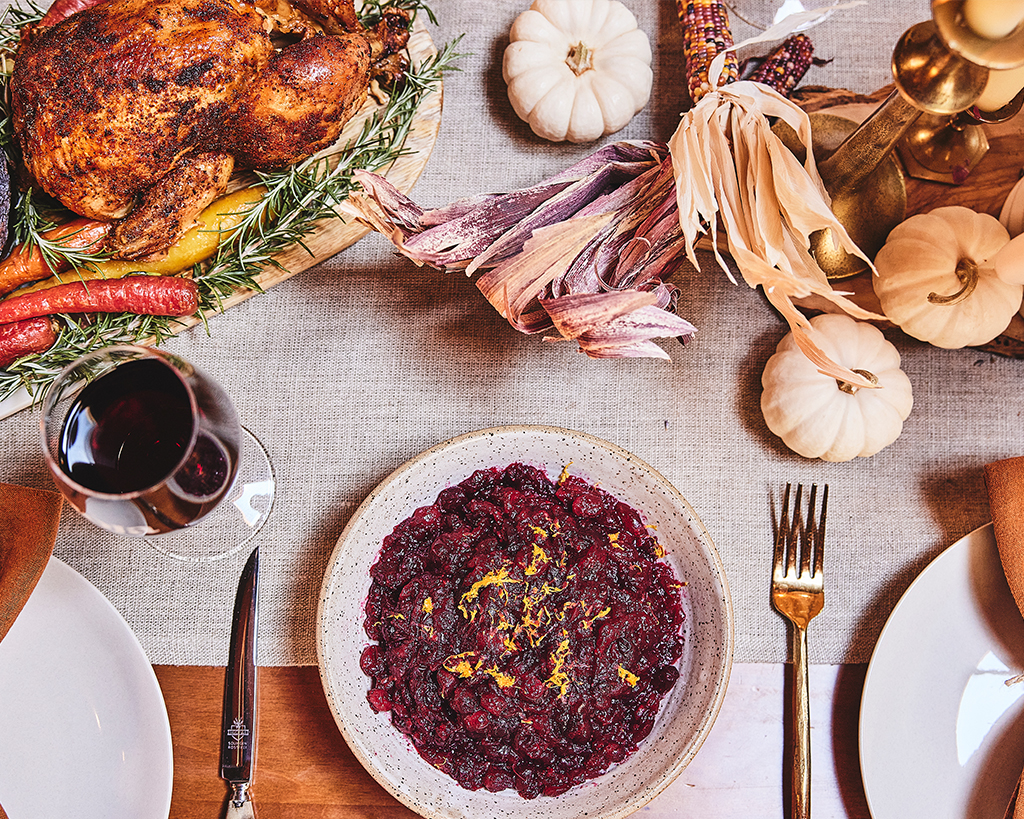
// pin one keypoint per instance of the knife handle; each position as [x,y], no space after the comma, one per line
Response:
[240,804]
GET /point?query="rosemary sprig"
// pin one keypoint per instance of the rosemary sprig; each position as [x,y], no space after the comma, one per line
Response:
[14,18]
[33,220]
[373,10]
[296,199]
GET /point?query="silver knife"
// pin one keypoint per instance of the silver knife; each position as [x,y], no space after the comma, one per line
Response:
[238,726]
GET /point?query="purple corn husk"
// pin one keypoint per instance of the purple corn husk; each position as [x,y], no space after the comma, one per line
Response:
[492,228]
[615,325]
[643,244]
[598,180]
[618,206]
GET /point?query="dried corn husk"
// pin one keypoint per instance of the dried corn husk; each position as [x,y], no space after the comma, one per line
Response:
[734,174]
[589,254]
[584,256]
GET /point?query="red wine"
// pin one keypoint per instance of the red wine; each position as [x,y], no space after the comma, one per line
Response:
[133,432]
[128,430]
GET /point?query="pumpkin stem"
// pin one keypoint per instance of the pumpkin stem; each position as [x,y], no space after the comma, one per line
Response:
[967,274]
[579,58]
[851,389]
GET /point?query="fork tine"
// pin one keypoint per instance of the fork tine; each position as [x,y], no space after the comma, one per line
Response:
[793,536]
[819,538]
[781,534]
[809,534]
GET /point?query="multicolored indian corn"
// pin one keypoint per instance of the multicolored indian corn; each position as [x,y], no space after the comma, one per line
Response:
[786,65]
[705,34]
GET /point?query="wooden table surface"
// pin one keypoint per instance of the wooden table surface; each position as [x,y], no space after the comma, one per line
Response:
[305,769]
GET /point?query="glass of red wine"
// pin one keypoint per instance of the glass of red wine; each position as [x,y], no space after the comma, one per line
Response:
[144,444]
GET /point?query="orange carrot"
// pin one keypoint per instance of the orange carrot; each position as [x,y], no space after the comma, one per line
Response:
[26,264]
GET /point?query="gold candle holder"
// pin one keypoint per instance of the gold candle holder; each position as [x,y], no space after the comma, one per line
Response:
[947,148]
[941,69]
[867,196]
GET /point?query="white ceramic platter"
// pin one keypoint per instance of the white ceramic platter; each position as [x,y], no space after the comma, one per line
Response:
[941,734]
[690,708]
[83,725]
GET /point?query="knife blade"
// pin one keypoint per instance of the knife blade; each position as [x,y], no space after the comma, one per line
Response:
[238,724]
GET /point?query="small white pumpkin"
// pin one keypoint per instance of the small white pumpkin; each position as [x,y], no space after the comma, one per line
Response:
[577,69]
[937,282]
[819,417]
[1011,215]
[1008,263]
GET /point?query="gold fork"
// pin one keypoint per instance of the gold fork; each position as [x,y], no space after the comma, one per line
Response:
[798,592]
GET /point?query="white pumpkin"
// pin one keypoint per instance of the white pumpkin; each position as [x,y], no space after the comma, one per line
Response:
[819,417]
[936,279]
[577,69]
[1011,215]
[1008,263]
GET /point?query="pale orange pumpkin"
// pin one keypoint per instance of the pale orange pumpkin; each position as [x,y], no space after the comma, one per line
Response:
[938,282]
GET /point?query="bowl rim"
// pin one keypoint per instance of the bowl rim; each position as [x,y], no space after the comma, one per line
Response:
[632,802]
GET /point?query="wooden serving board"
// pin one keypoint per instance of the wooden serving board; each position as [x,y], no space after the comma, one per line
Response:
[984,190]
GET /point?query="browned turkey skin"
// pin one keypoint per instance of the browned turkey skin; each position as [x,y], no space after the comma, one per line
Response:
[140,110]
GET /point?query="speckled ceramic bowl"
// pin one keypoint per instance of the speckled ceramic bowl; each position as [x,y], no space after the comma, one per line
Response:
[689,709]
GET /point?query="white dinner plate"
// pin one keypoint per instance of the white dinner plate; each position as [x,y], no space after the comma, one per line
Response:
[941,733]
[83,725]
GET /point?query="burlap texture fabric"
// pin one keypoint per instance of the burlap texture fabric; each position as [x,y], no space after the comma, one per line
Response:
[348,370]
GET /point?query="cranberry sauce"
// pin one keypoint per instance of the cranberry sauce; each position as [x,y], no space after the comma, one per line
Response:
[526,631]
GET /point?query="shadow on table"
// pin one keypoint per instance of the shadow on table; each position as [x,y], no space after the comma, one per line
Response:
[845,743]
[845,746]
[998,772]
[957,499]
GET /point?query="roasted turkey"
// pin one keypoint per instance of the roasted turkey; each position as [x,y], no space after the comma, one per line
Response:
[140,110]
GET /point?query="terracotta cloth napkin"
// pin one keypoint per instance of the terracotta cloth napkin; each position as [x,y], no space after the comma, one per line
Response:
[28,529]
[1005,483]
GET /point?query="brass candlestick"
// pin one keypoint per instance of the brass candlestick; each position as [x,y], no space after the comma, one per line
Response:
[946,149]
[867,196]
[941,69]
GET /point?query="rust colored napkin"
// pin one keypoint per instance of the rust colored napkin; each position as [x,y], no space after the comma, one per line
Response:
[1005,483]
[28,529]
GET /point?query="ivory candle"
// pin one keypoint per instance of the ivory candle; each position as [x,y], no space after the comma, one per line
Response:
[993,19]
[1002,87]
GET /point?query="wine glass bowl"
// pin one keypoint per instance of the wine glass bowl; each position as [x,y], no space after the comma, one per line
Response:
[144,444]
[762,14]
